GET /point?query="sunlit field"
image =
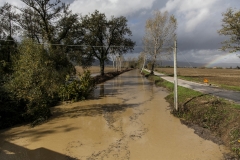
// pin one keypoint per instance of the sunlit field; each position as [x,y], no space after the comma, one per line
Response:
[225,78]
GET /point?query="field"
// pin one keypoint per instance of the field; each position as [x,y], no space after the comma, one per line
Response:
[224,78]
[95,69]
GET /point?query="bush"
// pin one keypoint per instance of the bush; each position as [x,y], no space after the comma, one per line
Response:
[36,79]
[77,89]
[10,108]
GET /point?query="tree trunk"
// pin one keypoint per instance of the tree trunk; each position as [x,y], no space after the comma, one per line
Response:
[102,67]
[8,53]
[152,68]
[120,67]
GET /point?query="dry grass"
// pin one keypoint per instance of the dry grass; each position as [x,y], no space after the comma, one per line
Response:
[225,78]
[95,69]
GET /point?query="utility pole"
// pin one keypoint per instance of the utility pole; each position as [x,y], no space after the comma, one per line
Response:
[175,76]
[144,57]
[118,63]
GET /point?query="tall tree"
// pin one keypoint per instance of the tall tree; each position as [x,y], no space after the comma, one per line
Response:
[141,61]
[48,21]
[8,27]
[231,29]
[29,22]
[35,80]
[8,19]
[159,36]
[102,35]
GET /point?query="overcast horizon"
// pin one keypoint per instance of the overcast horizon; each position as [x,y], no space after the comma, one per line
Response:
[198,22]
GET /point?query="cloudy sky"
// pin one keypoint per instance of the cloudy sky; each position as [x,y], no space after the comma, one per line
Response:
[198,22]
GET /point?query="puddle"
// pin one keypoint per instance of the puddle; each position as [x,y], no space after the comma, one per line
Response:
[127,119]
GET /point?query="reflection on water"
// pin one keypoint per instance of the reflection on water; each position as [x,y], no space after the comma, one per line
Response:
[101,90]
[127,119]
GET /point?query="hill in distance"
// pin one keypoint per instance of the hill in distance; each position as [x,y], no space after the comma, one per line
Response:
[182,64]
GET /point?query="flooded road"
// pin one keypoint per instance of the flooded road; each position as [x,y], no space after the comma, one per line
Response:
[127,119]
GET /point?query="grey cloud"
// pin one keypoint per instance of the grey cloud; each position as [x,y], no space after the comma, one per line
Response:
[196,33]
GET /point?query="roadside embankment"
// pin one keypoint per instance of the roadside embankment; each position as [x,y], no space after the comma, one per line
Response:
[212,118]
[109,75]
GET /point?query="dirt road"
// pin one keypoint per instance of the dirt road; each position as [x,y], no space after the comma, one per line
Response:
[127,119]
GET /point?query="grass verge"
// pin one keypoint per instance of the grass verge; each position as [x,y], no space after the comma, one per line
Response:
[219,116]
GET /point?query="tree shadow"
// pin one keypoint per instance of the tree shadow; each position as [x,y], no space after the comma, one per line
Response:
[10,151]
[91,110]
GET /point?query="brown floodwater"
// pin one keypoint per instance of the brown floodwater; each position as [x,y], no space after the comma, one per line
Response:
[128,119]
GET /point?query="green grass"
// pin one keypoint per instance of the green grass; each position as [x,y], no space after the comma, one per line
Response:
[182,91]
[233,88]
[236,106]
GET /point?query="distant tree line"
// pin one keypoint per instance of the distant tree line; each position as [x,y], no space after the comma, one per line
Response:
[35,70]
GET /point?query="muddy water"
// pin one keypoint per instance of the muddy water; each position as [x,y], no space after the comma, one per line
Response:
[127,119]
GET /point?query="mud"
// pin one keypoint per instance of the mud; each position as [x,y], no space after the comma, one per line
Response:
[204,133]
[127,119]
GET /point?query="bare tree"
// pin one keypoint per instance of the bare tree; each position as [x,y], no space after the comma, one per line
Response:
[159,36]
[119,60]
[141,61]
[113,58]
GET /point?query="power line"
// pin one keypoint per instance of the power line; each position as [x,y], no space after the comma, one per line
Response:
[72,45]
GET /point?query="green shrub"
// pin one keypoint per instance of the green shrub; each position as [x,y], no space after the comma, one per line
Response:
[36,79]
[77,89]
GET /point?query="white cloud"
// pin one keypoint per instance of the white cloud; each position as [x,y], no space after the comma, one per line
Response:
[190,12]
[189,5]
[198,18]
[111,7]
[17,3]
